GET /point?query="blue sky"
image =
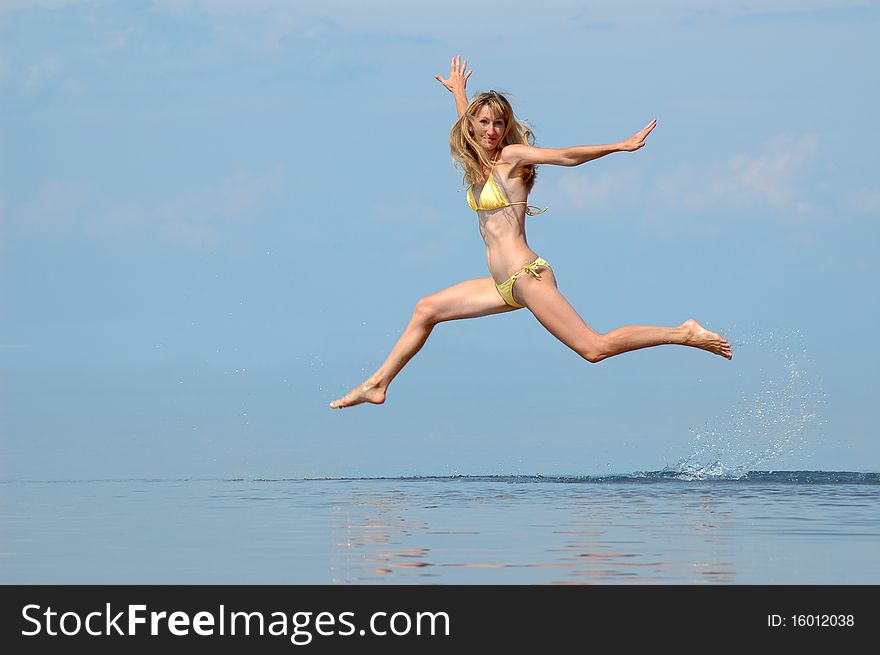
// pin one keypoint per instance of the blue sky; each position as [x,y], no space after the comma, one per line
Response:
[215,217]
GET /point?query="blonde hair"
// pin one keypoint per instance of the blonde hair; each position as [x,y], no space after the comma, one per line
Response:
[470,156]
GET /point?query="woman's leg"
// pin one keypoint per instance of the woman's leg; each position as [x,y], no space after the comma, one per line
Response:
[469,299]
[555,313]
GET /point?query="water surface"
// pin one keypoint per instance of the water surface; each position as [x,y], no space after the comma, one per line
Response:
[789,527]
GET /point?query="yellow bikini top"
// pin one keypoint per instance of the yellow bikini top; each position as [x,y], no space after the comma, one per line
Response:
[492,197]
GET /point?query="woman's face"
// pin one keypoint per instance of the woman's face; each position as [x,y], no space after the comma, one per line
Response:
[489,128]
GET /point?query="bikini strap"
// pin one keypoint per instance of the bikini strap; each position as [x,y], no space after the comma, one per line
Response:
[531,210]
[531,269]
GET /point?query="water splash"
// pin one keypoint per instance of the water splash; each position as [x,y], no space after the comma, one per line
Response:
[765,424]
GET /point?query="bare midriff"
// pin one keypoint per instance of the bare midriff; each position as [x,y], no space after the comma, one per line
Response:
[503,231]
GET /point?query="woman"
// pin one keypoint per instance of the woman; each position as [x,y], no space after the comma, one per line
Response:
[498,158]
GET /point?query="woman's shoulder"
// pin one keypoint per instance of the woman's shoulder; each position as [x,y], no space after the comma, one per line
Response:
[516,151]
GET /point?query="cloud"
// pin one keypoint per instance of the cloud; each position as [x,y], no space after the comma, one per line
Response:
[56,208]
[42,71]
[40,4]
[118,39]
[235,195]
[820,14]
[199,218]
[865,201]
[226,7]
[116,221]
[321,33]
[408,210]
[446,18]
[610,191]
[775,179]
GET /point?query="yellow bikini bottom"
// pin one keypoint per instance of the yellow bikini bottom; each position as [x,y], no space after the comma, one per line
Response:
[505,289]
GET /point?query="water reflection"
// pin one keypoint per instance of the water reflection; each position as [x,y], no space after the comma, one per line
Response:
[368,536]
[541,534]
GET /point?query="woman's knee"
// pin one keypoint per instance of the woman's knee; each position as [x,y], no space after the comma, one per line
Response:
[427,311]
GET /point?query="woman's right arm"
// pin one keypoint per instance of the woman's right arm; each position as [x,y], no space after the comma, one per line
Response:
[457,83]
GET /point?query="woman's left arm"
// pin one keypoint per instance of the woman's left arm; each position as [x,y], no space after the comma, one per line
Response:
[575,155]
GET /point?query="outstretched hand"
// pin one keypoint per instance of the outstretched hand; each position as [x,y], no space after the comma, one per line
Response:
[637,140]
[458,75]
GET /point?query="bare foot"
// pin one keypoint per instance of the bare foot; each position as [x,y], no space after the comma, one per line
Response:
[365,393]
[699,337]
